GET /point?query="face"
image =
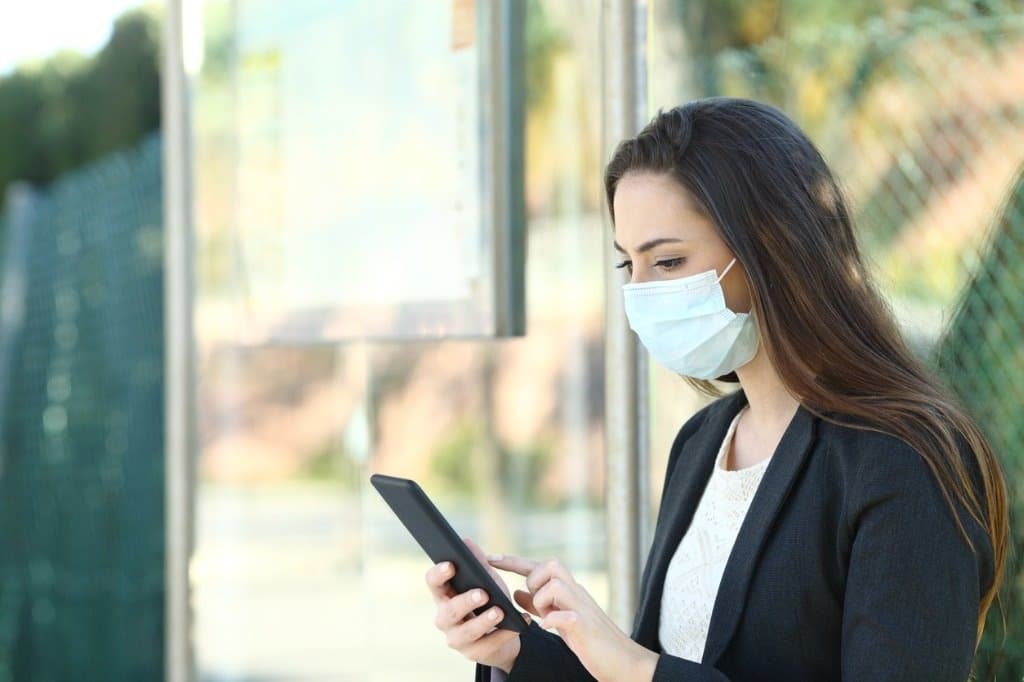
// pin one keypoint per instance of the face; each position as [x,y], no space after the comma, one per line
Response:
[660,234]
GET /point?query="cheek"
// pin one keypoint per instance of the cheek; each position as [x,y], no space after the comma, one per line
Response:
[737,296]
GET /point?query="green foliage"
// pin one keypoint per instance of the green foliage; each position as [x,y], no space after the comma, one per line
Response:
[332,465]
[755,40]
[525,467]
[544,42]
[70,110]
[218,40]
[712,27]
[452,461]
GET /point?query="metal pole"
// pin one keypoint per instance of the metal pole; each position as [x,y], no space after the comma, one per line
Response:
[506,90]
[179,470]
[623,67]
[21,203]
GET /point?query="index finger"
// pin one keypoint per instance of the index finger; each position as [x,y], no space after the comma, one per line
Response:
[516,564]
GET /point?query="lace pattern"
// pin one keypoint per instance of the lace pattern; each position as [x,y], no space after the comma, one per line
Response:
[695,571]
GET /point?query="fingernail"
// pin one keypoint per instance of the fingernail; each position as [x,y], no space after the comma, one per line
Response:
[445,566]
[495,557]
[493,615]
[478,596]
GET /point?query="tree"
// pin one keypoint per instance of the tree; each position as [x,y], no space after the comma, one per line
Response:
[69,110]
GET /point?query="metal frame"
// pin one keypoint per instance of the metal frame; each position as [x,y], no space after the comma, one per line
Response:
[507,92]
[623,108]
[20,213]
[179,354]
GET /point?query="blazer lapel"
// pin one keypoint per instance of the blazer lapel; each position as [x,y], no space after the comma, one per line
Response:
[688,482]
[777,480]
[682,492]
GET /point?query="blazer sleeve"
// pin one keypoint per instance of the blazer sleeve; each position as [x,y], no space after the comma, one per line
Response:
[913,585]
[543,657]
[551,660]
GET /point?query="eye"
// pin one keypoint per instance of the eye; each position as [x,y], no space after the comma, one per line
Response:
[628,264]
[669,263]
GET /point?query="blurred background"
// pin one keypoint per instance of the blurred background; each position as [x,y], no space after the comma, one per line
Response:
[396,263]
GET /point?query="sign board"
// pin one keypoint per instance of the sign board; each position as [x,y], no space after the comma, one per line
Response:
[376,168]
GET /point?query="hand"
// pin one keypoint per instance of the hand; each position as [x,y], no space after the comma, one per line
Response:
[476,637]
[562,603]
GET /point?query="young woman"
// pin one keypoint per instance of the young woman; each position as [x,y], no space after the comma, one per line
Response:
[839,517]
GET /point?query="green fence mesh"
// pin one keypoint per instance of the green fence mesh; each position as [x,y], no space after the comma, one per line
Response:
[982,354]
[81,425]
[920,112]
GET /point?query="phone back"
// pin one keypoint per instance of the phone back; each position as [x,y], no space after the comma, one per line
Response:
[441,543]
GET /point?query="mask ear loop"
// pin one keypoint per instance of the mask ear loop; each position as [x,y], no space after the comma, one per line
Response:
[727,267]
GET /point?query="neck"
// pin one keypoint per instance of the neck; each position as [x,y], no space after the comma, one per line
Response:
[771,406]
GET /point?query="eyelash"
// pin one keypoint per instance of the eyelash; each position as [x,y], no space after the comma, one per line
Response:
[667,264]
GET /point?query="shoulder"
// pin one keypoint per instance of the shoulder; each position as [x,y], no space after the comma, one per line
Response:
[866,455]
[884,475]
[871,463]
[855,445]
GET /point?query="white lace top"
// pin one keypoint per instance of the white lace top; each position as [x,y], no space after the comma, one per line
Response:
[695,571]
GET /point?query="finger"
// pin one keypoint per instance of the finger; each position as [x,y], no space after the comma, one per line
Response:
[515,564]
[461,636]
[452,612]
[554,595]
[552,568]
[562,620]
[525,600]
[485,646]
[437,580]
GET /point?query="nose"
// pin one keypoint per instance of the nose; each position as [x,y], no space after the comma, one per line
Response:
[638,278]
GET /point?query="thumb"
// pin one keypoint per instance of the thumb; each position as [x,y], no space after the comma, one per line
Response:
[478,552]
[476,549]
[525,599]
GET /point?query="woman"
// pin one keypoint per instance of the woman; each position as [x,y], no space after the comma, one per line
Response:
[837,517]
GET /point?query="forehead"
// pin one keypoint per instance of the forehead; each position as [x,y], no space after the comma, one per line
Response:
[651,205]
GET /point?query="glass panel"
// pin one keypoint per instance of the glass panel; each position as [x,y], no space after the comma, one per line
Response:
[301,570]
[317,109]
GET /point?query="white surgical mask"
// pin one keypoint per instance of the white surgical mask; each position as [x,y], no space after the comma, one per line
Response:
[685,325]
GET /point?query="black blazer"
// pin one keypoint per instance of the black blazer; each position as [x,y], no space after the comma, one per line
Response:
[848,566]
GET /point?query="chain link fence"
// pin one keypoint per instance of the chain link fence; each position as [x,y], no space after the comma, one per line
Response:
[920,113]
[81,424]
[982,355]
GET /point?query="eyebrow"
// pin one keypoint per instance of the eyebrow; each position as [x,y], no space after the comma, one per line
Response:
[650,244]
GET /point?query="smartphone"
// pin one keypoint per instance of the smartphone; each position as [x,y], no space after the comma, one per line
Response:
[441,543]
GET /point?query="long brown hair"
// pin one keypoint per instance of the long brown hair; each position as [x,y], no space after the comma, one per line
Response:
[826,329]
